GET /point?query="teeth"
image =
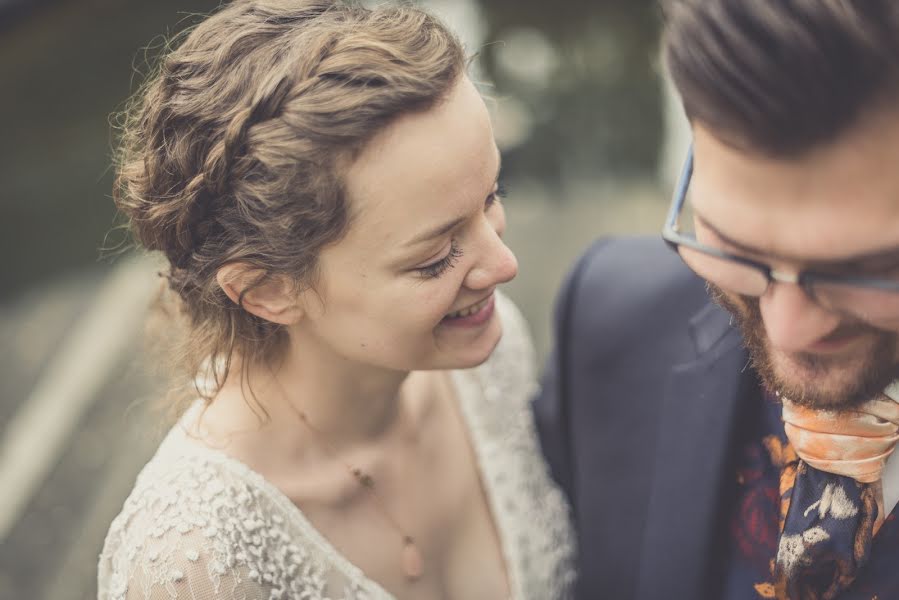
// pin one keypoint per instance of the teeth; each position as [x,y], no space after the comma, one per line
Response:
[468,311]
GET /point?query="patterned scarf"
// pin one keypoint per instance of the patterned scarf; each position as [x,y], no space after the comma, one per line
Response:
[831,499]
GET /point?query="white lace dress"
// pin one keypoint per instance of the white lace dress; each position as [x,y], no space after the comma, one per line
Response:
[200,525]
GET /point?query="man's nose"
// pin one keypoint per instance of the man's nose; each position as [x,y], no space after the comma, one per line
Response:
[792,320]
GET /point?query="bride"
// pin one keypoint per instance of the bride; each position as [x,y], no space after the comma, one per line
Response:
[323,181]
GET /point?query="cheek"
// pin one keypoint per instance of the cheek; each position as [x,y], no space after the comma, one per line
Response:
[730,302]
[436,298]
[410,306]
[745,310]
[386,306]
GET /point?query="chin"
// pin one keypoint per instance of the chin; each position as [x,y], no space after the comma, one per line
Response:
[813,388]
[826,384]
[475,353]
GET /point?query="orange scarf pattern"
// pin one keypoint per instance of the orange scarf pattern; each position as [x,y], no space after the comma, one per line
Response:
[831,495]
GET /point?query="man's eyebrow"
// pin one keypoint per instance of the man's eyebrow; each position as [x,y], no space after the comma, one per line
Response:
[728,240]
[449,226]
[858,260]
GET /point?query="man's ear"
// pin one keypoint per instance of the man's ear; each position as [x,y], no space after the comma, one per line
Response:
[275,299]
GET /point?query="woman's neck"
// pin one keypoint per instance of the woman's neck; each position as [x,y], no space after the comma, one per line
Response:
[350,403]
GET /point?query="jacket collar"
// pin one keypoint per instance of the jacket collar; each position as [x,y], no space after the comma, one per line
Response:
[693,460]
[711,325]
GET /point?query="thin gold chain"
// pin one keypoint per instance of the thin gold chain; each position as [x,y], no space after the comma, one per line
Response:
[365,480]
[411,560]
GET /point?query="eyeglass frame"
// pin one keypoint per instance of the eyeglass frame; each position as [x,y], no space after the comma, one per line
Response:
[803,278]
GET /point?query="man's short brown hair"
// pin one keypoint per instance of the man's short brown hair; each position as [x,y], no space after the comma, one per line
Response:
[782,76]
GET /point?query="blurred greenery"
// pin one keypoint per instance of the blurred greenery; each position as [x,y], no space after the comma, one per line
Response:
[66,66]
[600,112]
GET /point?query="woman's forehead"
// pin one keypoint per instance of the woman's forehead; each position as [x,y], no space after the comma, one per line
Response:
[426,162]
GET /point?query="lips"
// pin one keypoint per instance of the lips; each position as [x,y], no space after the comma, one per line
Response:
[469,310]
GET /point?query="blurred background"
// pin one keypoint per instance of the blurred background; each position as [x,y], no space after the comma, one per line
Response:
[591,141]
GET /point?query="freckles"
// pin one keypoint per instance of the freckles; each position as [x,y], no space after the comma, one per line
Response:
[436,299]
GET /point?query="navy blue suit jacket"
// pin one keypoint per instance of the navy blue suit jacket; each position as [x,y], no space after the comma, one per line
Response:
[640,404]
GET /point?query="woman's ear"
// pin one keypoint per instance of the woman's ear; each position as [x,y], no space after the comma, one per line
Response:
[275,299]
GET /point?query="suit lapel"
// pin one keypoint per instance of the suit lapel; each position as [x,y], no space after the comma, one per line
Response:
[692,458]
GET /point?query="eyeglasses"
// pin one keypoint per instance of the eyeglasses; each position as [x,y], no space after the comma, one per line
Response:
[875,301]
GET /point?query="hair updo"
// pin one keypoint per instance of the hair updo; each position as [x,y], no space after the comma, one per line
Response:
[234,150]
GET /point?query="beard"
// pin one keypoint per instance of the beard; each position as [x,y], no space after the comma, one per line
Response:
[837,383]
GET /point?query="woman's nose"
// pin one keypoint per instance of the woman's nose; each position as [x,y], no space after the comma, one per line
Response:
[497,263]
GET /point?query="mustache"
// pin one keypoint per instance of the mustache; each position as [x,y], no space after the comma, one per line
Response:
[748,314]
[851,329]
[881,359]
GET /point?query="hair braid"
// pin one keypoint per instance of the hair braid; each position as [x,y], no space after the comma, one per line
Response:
[235,150]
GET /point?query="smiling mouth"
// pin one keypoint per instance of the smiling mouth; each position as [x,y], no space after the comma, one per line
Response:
[466,312]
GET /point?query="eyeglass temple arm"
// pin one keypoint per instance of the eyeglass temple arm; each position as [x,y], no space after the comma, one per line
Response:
[680,193]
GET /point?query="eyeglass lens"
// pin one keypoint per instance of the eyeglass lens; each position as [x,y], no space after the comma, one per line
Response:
[730,275]
[872,305]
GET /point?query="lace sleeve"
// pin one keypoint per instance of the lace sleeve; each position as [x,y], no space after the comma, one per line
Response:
[190,530]
[181,565]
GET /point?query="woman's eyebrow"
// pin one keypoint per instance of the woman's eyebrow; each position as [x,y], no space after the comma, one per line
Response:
[435,232]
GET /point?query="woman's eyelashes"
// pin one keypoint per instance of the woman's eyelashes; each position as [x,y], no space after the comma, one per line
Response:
[436,269]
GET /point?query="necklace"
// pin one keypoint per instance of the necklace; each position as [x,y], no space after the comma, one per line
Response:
[411,560]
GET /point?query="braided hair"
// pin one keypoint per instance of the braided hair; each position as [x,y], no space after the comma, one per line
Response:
[234,150]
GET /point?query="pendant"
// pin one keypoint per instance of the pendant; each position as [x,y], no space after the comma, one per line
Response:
[413,565]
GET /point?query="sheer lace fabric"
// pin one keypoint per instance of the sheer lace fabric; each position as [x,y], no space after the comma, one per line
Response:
[200,525]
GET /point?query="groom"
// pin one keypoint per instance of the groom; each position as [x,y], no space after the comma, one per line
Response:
[720,406]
